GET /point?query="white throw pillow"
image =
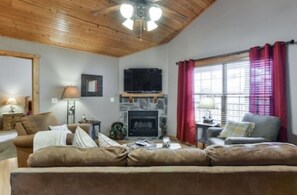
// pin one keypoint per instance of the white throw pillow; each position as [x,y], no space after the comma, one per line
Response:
[82,139]
[60,128]
[105,141]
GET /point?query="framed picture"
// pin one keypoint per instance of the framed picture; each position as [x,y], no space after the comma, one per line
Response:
[91,85]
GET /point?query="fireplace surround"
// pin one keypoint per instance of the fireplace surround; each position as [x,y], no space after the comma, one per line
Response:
[158,104]
[143,123]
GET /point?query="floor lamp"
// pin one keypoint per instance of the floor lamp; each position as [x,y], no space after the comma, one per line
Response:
[70,94]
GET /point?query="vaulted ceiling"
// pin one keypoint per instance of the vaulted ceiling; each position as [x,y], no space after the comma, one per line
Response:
[73,24]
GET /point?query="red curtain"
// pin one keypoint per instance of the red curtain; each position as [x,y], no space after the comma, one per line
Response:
[268,83]
[186,131]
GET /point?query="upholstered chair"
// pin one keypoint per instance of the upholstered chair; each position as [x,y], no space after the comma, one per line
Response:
[266,129]
[30,125]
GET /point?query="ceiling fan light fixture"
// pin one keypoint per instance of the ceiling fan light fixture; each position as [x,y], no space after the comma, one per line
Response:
[129,23]
[151,25]
[155,13]
[127,10]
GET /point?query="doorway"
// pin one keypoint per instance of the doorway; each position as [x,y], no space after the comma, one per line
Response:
[35,74]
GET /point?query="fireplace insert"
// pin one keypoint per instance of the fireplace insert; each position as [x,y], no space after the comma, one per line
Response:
[143,123]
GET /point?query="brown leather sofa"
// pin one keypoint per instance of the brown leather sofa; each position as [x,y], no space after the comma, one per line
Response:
[30,125]
[258,169]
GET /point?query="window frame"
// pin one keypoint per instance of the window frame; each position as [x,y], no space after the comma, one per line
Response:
[221,60]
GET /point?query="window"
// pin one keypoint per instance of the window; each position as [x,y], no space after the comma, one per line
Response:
[228,84]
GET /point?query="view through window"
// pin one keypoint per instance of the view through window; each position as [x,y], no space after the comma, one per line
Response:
[228,84]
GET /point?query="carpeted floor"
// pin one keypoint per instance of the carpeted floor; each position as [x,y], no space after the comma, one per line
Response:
[7,150]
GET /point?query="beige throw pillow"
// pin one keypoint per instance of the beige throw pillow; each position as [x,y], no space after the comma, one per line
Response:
[237,129]
[82,139]
[105,141]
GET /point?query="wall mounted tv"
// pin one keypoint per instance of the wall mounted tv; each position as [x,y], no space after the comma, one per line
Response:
[143,80]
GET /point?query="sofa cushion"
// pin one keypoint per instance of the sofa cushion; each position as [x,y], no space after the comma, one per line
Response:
[38,122]
[266,126]
[237,129]
[244,140]
[167,157]
[82,139]
[57,156]
[268,153]
[216,141]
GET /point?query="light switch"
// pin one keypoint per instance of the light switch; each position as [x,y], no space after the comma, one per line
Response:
[54,100]
[112,99]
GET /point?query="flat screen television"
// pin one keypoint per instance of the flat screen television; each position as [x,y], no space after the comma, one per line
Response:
[143,80]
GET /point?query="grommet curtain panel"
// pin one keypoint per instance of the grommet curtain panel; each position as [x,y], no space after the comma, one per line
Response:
[186,131]
[268,83]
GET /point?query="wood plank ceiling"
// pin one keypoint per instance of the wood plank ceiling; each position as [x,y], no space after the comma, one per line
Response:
[71,24]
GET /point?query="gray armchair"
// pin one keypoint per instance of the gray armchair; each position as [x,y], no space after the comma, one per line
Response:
[266,130]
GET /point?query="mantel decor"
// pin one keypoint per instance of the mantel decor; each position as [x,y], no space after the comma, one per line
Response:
[91,85]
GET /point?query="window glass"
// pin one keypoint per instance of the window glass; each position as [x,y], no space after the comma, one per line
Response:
[228,84]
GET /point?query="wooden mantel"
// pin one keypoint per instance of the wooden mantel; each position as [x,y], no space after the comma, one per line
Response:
[142,95]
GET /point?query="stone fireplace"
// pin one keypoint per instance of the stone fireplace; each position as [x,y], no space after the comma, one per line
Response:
[143,123]
[138,107]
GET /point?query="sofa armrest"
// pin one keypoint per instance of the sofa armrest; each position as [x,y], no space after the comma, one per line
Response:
[24,141]
[86,127]
[20,129]
[213,131]
[244,140]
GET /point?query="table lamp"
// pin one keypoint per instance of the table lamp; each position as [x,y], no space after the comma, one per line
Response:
[207,103]
[12,101]
[70,94]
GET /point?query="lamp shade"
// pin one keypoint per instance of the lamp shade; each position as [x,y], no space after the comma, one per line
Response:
[70,93]
[11,101]
[207,103]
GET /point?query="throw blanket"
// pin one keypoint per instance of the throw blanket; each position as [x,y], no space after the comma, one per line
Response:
[44,139]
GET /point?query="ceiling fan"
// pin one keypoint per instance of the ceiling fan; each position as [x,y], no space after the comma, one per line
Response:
[140,15]
[118,5]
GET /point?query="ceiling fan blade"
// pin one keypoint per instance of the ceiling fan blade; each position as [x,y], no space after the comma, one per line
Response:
[106,10]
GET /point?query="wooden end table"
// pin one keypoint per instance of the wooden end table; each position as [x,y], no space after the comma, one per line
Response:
[204,127]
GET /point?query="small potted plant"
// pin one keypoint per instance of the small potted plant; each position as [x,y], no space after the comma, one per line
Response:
[118,131]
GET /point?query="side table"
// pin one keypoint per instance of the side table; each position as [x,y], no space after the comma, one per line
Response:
[10,119]
[202,137]
[95,131]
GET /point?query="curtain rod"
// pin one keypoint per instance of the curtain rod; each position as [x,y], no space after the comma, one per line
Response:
[237,52]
